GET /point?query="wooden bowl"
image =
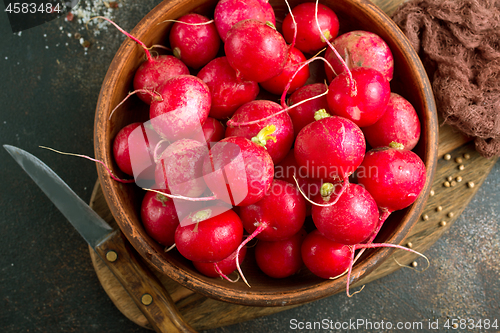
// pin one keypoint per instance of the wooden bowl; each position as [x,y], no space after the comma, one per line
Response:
[124,200]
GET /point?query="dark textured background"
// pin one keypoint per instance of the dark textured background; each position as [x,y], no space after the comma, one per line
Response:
[48,93]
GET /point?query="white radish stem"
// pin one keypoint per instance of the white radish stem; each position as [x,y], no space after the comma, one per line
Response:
[181,197]
[156,96]
[352,83]
[125,181]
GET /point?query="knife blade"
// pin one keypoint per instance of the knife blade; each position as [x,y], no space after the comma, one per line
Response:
[142,285]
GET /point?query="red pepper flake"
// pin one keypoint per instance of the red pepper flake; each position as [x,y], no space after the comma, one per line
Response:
[70,17]
[113,4]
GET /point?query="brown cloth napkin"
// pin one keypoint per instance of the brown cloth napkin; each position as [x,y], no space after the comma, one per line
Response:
[459,44]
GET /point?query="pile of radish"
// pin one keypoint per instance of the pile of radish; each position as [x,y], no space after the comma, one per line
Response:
[228,159]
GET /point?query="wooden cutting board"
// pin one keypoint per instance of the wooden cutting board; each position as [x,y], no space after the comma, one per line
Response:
[465,171]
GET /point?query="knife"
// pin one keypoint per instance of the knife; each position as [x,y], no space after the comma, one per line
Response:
[110,244]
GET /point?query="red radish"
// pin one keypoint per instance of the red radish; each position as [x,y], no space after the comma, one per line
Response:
[221,268]
[209,235]
[364,103]
[351,220]
[330,148]
[194,40]
[212,131]
[394,177]
[255,50]
[280,259]
[229,12]
[279,214]
[360,49]
[325,258]
[228,93]
[184,108]
[399,125]
[276,85]
[309,38]
[304,114]
[160,215]
[133,149]
[238,171]
[154,72]
[275,134]
[179,170]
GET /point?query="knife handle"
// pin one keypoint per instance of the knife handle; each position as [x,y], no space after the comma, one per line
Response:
[142,285]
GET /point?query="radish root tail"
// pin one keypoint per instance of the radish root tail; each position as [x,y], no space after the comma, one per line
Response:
[125,181]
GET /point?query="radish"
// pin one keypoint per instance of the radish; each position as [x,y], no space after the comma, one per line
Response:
[325,258]
[351,220]
[194,40]
[278,215]
[280,259]
[394,177]
[275,134]
[277,85]
[183,109]
[255,50]
[209,235]
[238,171]
[309,39]
[304,114]
[179,169]
[160,215]
[364,100]
[229,12]
[399,125]
[227,92]
[221,268]
[330,148]
[154,71]
[360,49]
[133,149]
[212,131]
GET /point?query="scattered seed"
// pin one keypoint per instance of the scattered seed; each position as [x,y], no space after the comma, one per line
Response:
[442,223]
[461,167]
[455,325]
[470,184]
[450,214]
[409,245]
[447,184]
[467,156]
[432,193]
[450,178]
[447,157]
[77,35]
[414,264]
[439,208]
[459,179]
[458,160]
[453,183]
[425,217]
